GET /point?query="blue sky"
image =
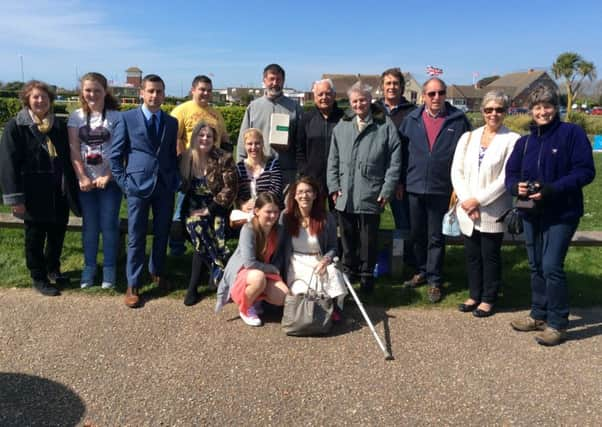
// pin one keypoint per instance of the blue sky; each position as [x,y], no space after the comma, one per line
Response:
[233,41]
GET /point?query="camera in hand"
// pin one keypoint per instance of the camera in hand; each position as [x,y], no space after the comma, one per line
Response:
[532,187]
[524,202]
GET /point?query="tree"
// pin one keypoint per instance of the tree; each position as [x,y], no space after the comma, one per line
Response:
[486,80]
[246,98]
[574,69]
[13,86]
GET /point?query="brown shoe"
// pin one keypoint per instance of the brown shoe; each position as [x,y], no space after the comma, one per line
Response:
[132,300]
[161,283]
[550,336]
[415,281]
[527,324]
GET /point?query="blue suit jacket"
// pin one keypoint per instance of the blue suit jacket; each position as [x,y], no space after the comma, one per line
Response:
[136,163]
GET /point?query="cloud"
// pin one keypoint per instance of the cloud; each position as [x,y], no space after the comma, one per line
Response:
[64,25]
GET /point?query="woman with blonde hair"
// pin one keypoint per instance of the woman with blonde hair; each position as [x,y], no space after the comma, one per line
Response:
[91,129]
[478,178]
[209,184]
[256,173]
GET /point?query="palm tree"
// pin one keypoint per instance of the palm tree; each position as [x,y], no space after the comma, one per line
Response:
[574,69]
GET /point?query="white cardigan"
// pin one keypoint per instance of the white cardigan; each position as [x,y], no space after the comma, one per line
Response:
[486,183]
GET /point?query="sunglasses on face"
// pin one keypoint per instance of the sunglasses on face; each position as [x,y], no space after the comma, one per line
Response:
[436,92]
[489,110]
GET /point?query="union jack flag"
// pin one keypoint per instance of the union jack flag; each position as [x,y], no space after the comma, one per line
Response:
[433,71]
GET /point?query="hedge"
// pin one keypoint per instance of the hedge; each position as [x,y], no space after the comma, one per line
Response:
[165,107]
[9,107]
[233,116]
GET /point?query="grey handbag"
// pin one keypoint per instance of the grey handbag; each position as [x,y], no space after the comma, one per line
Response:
[307,314]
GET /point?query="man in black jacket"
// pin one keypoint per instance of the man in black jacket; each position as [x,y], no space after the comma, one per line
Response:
[315,131]
[392,84]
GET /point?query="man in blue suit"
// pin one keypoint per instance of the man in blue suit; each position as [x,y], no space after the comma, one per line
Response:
[143,162]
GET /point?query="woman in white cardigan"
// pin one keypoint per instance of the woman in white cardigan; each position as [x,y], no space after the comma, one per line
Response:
[478,178]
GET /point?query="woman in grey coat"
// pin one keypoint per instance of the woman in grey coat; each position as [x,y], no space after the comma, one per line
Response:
[364,166]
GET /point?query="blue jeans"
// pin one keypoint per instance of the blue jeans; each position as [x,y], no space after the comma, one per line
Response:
[426,217]
[177,247]
[401,214]
[100,214]
[547,246]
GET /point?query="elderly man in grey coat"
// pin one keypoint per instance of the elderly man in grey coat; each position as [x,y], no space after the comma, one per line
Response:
[364,164]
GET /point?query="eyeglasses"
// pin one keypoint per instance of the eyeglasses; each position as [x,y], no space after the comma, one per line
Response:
[489,110]
[436,92]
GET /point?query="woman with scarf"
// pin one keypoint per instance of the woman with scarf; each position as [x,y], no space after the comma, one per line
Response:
[38,183]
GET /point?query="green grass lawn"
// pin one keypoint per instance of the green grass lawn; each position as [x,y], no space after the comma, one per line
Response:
[583,267]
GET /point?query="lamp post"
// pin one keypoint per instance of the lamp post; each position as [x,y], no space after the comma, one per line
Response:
[22,72]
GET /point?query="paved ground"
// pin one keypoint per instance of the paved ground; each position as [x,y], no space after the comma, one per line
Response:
[79,359]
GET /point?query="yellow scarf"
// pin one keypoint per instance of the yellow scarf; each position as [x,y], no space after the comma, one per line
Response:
[44,127]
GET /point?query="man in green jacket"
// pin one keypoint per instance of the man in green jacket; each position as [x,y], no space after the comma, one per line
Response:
[363,169]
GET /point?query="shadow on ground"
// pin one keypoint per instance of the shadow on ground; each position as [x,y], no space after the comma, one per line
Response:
[27,400]
[584,324]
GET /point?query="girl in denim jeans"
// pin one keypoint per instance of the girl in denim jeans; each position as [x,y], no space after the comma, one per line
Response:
[91,129]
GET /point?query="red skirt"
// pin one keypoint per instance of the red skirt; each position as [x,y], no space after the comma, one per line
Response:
[237,293]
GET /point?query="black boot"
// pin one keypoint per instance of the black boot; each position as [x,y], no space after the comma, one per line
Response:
[192,295]
[45,288]
[367,285]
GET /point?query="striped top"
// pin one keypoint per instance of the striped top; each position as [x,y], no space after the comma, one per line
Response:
[269,180]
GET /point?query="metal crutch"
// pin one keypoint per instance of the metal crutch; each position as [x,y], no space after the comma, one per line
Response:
[388,355]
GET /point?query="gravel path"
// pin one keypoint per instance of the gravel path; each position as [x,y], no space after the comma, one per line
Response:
[89,360]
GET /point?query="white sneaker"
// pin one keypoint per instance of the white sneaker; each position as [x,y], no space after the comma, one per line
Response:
[85,285]
[251,317]
[107,285]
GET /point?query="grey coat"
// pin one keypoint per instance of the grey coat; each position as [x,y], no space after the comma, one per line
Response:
[327,239]
[258,115]
[366,165]
[244,257]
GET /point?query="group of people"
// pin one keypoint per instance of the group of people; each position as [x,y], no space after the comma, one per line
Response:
[332,168]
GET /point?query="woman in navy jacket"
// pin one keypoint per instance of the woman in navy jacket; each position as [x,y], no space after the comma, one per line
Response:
[549,166]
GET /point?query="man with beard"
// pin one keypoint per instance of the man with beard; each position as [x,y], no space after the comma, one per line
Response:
[315,132]
[259,115]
